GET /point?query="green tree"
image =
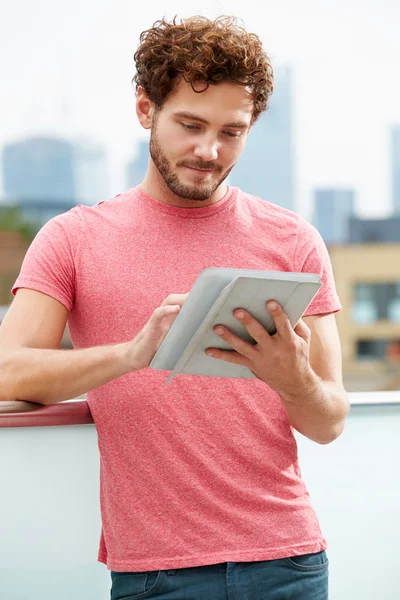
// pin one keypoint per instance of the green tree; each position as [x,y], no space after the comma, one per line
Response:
[11,219]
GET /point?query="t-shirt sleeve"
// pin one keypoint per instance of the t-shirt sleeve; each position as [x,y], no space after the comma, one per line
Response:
[48,266]
[312,257]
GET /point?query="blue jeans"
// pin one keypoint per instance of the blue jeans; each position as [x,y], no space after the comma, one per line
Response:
[302,577]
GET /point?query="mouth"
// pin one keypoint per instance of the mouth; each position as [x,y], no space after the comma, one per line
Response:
[197,170]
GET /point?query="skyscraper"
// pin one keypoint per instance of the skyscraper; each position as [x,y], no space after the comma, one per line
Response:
[395,155]
[136,169]
[266,167]
[332,211]
[39,169]
[91,174]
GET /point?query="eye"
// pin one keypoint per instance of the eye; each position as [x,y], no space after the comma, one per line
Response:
[232,134]
[190,126]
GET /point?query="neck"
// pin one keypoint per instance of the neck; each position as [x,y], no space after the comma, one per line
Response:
[154,185]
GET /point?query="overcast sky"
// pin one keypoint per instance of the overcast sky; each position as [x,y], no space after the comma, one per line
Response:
[66,68]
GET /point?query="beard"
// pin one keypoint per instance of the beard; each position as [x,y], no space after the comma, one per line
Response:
[193,191]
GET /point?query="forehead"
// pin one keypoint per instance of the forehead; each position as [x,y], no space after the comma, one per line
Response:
[220,102]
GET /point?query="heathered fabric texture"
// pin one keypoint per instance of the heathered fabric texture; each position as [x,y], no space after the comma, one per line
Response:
[203,470]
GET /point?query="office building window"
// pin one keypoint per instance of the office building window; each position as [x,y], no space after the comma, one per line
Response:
[371,349]
[394,305]
[375,302]
[388,350]
[364,306]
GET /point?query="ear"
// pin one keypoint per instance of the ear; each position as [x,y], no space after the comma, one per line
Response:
[144,109]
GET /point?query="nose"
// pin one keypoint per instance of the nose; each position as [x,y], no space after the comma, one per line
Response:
[207,149]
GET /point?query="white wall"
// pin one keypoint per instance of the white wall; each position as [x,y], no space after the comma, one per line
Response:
[50,523]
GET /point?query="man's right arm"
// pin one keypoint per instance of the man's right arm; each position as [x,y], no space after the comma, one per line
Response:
[32,367]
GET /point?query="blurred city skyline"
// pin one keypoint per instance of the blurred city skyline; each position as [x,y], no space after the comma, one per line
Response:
[70,77]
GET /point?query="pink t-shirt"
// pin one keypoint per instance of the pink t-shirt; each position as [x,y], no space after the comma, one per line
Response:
[203,470]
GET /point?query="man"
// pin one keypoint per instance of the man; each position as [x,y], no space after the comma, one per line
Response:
[201,492]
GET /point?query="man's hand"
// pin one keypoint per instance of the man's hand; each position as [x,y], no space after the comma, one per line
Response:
[303,365]
[143,347]
[282,360]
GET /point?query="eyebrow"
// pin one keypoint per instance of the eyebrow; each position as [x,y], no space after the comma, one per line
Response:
[193,117]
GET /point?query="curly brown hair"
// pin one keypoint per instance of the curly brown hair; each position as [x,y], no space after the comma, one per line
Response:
[200,50]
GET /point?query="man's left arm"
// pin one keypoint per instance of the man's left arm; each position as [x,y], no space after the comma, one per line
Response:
[303,365]
[319,407]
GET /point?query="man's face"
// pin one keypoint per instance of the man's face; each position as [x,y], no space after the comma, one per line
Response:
[197,138]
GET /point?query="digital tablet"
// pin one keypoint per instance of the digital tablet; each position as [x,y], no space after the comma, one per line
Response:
[216,293]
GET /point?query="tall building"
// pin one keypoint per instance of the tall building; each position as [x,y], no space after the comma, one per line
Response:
[332,211]
[91,173]
[136,169]
[395,155]
[39,169]
[266,167]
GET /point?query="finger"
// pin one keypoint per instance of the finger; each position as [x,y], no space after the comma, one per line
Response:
[175,299]
[242,347]
[158,325]
[229,356]
[303,331]
[255,329]
[164,316]
[163,311]
[281,320]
